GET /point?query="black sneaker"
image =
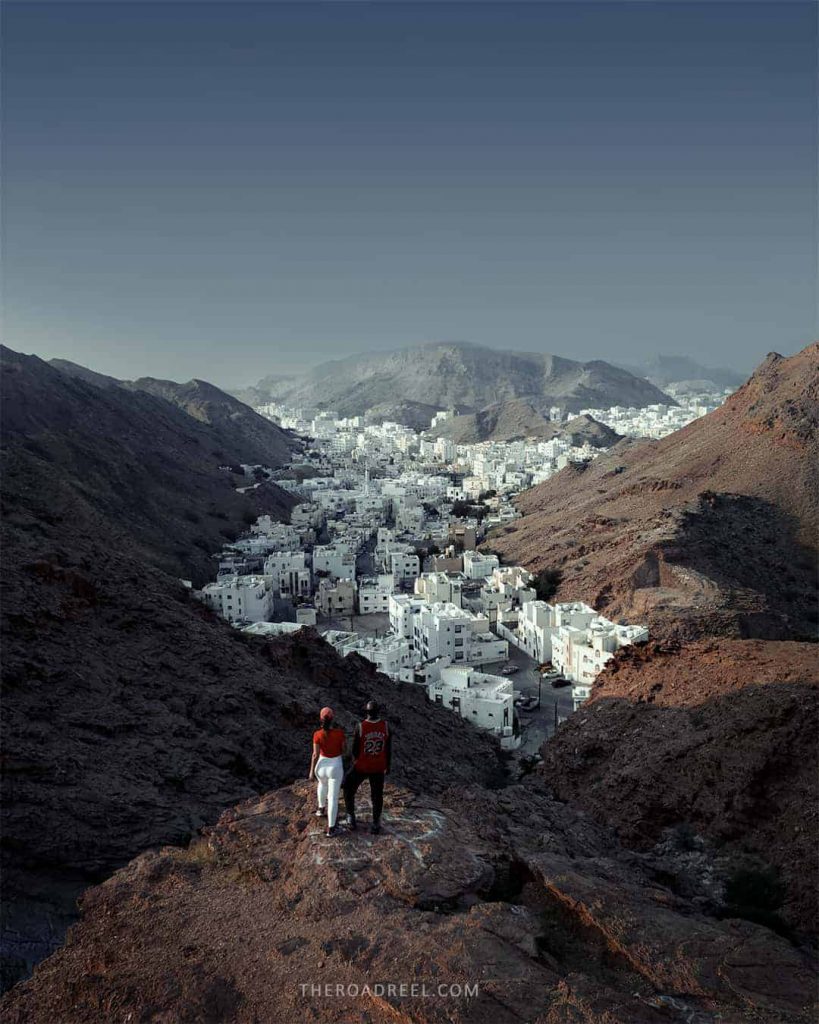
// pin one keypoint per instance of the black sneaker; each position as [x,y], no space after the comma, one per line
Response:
[375,828]
[331,833]
[351,822]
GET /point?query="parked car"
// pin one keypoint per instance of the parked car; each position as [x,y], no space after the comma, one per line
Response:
[559,681]
[509,670]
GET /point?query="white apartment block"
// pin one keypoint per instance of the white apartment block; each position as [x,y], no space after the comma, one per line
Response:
[240,597]
[439,587]
[336,596]
[485,700]
[478,565]
[390,654]
[335,559]
[374,594]
[402,610]
[443,630]
[280,561]
[404,565]
[581,653]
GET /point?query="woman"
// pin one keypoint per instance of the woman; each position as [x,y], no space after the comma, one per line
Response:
[329,748]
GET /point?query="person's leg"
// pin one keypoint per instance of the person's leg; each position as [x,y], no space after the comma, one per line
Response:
[321,787]
[377,795]
[335,774]
[352,781]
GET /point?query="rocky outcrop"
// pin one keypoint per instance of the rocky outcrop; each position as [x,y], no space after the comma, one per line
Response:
[717,739]
[475,907]
[709,532]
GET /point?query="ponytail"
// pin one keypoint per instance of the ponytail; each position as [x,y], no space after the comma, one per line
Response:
[327,724]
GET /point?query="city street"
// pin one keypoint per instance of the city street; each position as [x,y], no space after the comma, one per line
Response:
[538,724]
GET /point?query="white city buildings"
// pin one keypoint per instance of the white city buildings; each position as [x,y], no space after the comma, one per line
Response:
[336,596]
[478,565]
[390,654]
[485,700]
[440,586]
[444,630]
[374,594]
[248,598]
[335,559]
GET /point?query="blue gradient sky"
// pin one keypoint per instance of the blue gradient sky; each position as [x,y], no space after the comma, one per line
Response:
[229,190]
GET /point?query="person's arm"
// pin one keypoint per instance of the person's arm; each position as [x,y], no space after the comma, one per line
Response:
[357,741]
[313,760]
[344,744]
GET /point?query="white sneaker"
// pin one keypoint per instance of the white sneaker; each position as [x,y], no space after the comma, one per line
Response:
[320,812]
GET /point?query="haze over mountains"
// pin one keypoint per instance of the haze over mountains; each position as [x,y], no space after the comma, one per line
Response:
[457,374]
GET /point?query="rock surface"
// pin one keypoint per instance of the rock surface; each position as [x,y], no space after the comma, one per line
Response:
[719,737]
[711,531]
[536,907]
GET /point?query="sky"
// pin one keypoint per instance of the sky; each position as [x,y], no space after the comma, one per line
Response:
[229,190]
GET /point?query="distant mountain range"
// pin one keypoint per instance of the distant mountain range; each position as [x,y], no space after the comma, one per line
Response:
[519,419]
[663,370]
[461,375]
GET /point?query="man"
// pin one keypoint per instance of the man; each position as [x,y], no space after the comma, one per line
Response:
[372,754]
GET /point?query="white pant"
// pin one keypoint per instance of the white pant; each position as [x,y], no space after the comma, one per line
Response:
[329,772]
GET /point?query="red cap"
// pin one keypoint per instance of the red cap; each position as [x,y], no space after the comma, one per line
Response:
[326,713]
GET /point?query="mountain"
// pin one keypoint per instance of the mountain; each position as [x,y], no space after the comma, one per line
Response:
[518,419]
[710,531]
[665,369]
[417,415]
[132,714]
[450,374]
[474,907]
[720,735]
[235,425]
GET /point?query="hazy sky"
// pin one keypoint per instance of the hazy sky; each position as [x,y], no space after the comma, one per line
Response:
[226,190]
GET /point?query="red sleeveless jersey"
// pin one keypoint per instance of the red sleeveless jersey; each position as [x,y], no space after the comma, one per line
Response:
[372,750]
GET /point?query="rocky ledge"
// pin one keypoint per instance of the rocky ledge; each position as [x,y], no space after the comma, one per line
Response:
[482,906]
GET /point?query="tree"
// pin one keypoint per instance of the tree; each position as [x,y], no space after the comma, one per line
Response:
[546,583]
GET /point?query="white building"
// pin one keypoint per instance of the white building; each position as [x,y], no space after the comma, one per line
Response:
[485,700]
[374,594]
[444,630]
[390,654]
[581,653]
[478,565]
[404,565]
[335,559]
[240,597]
[402,609]
[336,597]
[439,586]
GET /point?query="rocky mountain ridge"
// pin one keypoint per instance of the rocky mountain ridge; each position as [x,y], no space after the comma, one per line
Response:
[710,531]
[517,420]
[456,374]
[237,427]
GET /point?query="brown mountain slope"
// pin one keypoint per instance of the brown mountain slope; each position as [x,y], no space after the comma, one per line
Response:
[720,736]
[512,893]
[712,530]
